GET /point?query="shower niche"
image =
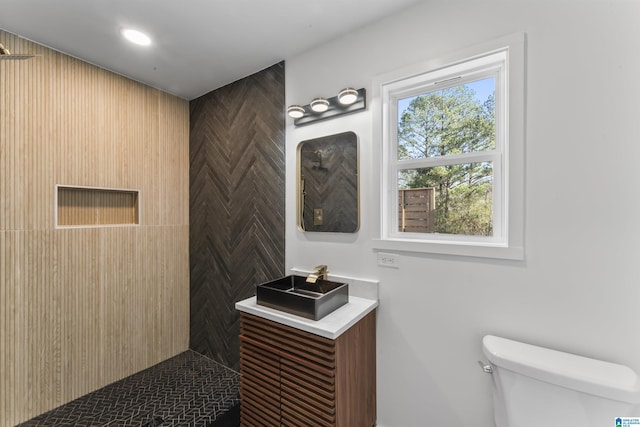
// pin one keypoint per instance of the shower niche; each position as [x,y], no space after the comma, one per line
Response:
[328,184]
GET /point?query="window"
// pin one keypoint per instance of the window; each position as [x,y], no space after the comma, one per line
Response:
[452,141]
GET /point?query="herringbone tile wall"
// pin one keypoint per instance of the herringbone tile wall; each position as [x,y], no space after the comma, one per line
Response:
[236,202]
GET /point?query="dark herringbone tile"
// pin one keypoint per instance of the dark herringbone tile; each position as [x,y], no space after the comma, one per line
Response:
[237,172]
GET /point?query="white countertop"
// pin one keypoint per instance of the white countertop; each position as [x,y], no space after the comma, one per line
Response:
[331,326]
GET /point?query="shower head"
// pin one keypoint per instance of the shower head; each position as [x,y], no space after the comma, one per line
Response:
[6,55]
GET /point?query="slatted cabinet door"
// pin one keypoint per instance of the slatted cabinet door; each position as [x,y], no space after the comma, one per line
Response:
[260,376]
[293,378]
[307,375]
[259,386]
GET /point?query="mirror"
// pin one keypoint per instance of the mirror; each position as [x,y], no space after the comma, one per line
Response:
[328,184]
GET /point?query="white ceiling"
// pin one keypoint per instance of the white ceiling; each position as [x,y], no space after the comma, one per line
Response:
[198,45]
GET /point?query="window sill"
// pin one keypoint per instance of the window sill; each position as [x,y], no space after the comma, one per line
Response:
[451,248]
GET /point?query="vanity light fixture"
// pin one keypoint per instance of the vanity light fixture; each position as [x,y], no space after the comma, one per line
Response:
[295,111]
[137,37]
[347,101]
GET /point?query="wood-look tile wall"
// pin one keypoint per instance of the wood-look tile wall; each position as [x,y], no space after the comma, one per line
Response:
[81,308]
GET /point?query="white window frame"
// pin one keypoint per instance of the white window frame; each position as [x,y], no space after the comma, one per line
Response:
[503,59]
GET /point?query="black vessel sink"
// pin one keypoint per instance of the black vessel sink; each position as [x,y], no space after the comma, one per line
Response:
[293,294]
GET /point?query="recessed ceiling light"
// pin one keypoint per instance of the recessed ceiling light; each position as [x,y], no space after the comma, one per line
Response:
[137,37]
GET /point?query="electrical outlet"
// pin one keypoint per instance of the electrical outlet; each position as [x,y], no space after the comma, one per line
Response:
[388,260]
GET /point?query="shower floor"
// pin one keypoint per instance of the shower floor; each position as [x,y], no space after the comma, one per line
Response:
[186,390]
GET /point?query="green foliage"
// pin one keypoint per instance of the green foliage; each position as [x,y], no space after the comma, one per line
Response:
[469,211]
[448,122]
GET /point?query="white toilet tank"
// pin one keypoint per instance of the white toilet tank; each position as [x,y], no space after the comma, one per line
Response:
[539,387]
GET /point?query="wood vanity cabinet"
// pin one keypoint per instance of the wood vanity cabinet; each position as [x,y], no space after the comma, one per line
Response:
[294,378]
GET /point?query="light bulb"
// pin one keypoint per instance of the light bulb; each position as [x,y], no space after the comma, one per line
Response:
[295,111]
[319,105]
[347,96]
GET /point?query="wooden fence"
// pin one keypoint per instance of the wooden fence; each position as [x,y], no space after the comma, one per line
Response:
[416,210]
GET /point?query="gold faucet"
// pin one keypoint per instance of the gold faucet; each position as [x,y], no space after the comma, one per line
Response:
[319,273]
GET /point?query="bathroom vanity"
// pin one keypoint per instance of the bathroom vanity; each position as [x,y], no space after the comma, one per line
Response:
[301,372]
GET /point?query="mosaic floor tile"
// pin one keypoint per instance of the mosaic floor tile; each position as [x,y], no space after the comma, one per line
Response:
[186,390]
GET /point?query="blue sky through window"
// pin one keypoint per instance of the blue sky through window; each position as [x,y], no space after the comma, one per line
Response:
[482,88]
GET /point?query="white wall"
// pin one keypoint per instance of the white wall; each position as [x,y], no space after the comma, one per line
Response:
[578,289]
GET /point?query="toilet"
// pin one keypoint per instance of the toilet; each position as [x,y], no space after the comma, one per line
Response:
[539,387]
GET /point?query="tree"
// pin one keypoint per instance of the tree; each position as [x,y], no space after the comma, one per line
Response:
[448,122]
